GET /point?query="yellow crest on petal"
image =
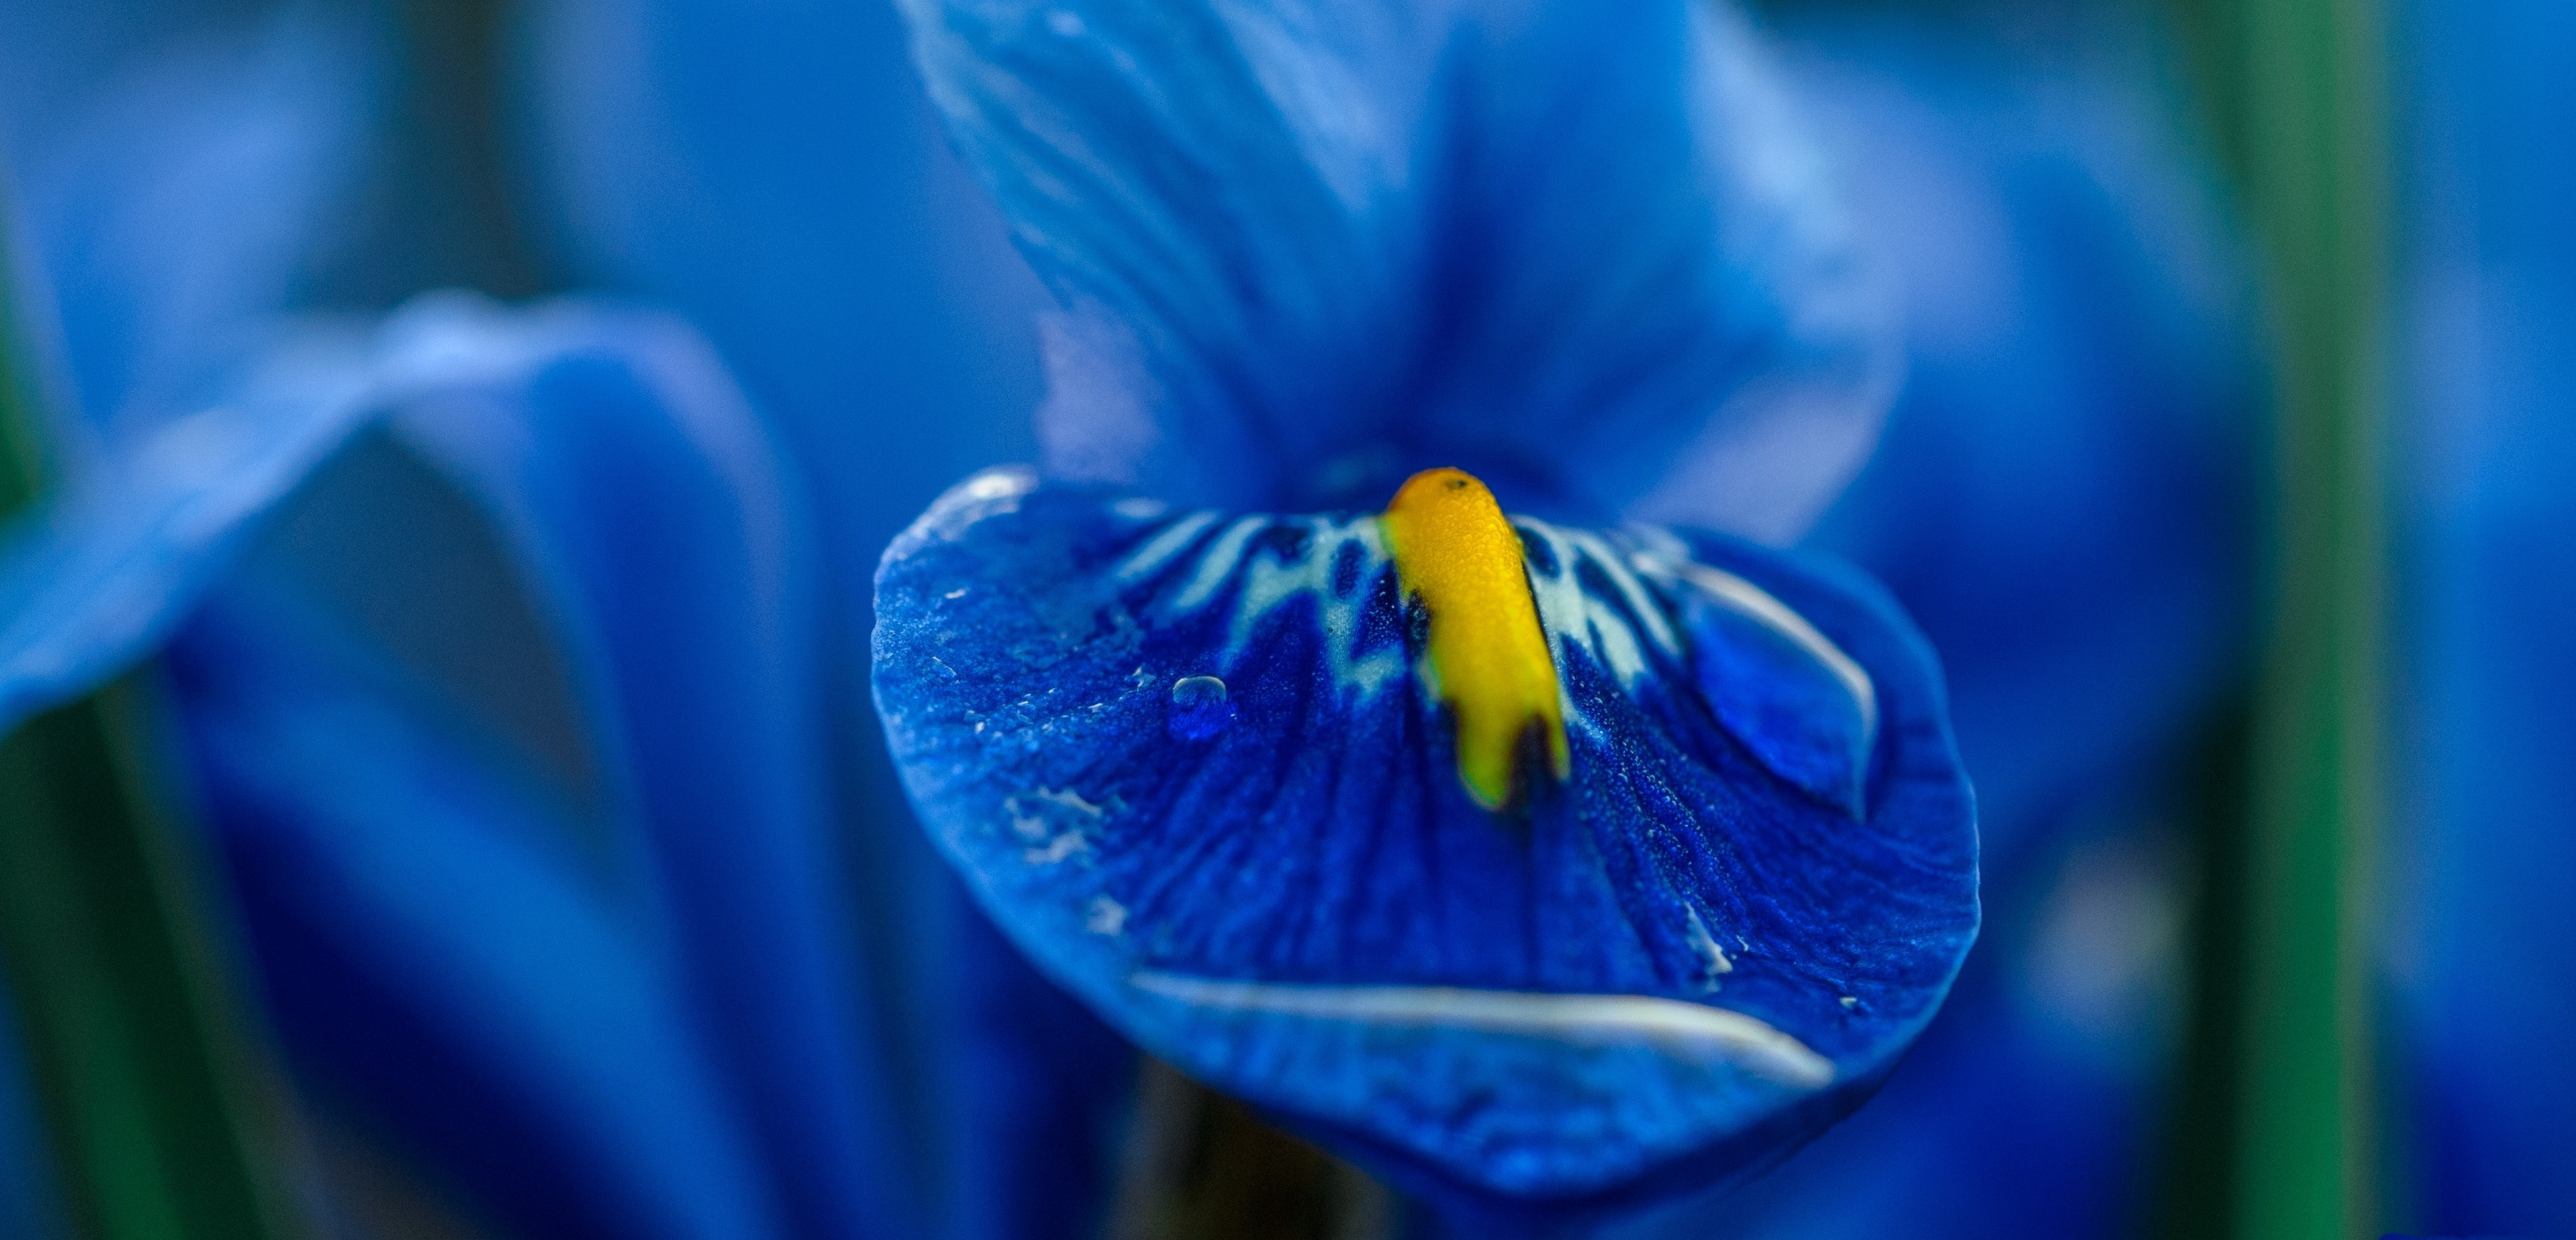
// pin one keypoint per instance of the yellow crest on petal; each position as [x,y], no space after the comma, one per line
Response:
[1457,554]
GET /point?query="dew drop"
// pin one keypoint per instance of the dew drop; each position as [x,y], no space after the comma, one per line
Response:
[1199,708]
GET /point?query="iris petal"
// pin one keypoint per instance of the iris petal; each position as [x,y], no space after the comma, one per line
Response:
[659,531]
[1672,966]
[647,511]
[1312,246]
[95,583]
[425,950]
[191,187]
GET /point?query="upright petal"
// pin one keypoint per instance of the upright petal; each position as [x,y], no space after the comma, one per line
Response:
[1661,975]
[658,531]
[1309,247]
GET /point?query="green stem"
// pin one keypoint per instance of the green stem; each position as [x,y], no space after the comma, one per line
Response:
[2316,167]
[163,1125]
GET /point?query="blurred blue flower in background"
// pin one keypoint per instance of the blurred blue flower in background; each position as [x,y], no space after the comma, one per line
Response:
[447,928]
[778,173]
[2487,517]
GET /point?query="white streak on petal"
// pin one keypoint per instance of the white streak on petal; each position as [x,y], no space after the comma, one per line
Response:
[1269,584]
[1159,549]
[1754,602]
[1685,1028]
[1570,613]
[1641,602]
[1218,564]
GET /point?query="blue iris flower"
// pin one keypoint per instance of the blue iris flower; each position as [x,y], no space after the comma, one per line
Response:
[2488,280]
[601,995]
[1199,729]
[2063,500]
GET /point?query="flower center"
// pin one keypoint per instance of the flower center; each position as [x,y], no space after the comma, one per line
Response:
[1489,657]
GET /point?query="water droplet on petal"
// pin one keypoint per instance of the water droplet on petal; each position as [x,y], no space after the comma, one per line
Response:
[1199,708]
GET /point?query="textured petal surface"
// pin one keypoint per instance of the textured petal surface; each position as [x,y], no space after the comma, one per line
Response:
[2064,501]
[2027,1108]
[1311,246]
[1664,972]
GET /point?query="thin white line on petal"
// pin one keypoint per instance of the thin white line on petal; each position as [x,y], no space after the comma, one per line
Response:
[1159,549]
[1691,1028]
[1754,601]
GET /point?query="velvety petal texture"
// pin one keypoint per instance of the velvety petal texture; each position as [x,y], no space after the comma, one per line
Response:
[1188,762]
[1309,247]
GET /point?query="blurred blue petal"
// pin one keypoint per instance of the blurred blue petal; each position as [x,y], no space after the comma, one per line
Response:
[1296,901]
[1309,248]
[774,172]
[94,582]
[188,187]
[656,528]
[424,951]
[643,506]
[2065,498]
[1047,1094]
[2485,451]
